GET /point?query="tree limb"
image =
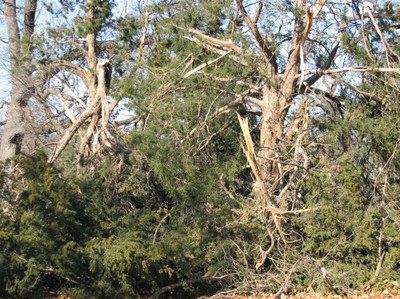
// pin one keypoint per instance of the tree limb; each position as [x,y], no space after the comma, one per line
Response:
[314,78]
[205,64]
[218,42]
[355,69]
[269,54]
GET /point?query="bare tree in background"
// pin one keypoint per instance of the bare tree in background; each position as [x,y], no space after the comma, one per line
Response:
[17,136]
[61,92]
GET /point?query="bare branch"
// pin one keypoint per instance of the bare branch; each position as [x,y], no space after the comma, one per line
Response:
[76,69]
[146,21]
[130,120]
[74,95]
[218,42]
[81,49]
[72,130]
[388,49]
[381,257]
[220,111]
[205,64]
[314,78]
[258,13]
[334,102]
[355,69]
[251,156]
[286,282]
[264,254]
[188,282]
[269,54]
[215,49]
[159,226]
[209,138]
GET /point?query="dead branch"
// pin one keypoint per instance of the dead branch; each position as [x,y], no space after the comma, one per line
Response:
[264,254]
[159,226]
[218,42]
[131,120]
[72,130]
[146,22]
[217,46]
[314,78]
[381,257]
[188,282]
[386,46]
[73,94]
[258,13]
[222,183]
[220,111]
[388,165]
[76,69]
[328,281]
[269,54]
[365,35]
[70,41]
[97,104]
[242,253]
[289,213]
[205,64]
[252,160]
[355,69]
[209,138]
[285,284]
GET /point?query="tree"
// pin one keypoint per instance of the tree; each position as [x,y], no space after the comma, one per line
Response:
[314,194]
[264,74]
[18,136]
[68,76]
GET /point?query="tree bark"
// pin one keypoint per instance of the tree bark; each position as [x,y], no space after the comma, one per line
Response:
[18,136]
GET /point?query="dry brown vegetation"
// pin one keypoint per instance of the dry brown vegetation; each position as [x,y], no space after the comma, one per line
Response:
[311,294]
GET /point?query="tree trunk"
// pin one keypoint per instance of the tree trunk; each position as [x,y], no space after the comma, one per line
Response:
[18,135]
[271,133]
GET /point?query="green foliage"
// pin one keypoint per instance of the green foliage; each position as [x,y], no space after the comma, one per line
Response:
[352,215]
[41,229]
[98,17]
[177,203]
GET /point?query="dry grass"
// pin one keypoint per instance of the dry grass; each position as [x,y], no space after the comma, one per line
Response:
[310,294]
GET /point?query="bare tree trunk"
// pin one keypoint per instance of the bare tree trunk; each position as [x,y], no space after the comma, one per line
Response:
[18,136]
[96,114]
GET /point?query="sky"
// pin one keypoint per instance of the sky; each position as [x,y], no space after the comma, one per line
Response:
[4,69]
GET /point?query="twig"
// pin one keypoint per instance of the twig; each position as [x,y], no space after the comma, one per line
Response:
[386,45]
[159,226]
[355,69]
[264,254]
[222,182]
[285,284]
[381,257]
[188,282]
[205,64]
[329,281]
